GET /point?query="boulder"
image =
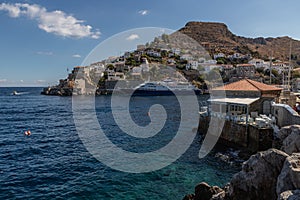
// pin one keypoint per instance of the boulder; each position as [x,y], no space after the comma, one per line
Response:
[219,196]
[290,195]
[189,197]
[289,178]
[291,144]
[283,134]
[258,177]
[203,191]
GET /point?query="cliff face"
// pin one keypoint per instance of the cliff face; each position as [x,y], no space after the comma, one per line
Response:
[216,37]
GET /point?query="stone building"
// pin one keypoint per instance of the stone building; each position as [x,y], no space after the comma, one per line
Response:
[285,115]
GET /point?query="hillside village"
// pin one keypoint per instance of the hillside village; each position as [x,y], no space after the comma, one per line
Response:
[145,61]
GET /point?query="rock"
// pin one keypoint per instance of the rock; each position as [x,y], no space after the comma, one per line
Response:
[203,191]
[258,177]
[282,134]
[289,178]
[290,195]
[219,196]
[291,144]
[189,197]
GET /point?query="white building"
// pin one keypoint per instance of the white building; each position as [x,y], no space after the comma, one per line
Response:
[137,70]
[80,86]
[192,65]
[176,51]
[153,53]
[186,57]
[219,55]
[259,63]
[145,65]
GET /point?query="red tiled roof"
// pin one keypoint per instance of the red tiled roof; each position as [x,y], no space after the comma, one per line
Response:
[248,85]
[245,65]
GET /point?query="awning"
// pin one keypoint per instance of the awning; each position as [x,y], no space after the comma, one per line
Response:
[243,101]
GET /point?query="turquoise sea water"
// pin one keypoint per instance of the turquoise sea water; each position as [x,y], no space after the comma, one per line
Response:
[53,163]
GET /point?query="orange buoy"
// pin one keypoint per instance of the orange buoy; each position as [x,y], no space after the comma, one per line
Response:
[27,133]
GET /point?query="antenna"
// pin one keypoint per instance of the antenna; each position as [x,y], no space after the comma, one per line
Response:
[289,70]
[271,67]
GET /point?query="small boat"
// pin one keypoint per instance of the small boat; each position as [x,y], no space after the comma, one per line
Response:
[15,93]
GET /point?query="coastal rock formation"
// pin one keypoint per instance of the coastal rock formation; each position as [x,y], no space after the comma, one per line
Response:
[258,177]
[291,143]
[290,195]
[203,191]
[270,174]
[289,178]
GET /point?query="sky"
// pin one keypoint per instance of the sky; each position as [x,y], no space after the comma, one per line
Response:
[40,40]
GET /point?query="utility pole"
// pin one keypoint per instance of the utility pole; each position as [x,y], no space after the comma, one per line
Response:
[271,67]
[289,70]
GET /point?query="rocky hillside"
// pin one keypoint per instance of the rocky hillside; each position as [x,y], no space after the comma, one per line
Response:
[216,37]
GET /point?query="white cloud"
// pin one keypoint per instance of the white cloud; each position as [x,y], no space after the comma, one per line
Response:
[22,81]
[3,80]
[46,53]
[56,22]
[133,37]
[76,56]
[143,12]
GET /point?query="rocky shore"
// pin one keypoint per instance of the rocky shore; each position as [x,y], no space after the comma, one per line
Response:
[268,175]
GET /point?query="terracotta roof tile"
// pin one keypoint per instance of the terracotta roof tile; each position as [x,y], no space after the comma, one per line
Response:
[247,85]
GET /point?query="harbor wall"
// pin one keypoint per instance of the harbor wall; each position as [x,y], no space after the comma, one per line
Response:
[240,135]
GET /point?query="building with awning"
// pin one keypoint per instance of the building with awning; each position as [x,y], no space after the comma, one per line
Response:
[245,94]
[245,113]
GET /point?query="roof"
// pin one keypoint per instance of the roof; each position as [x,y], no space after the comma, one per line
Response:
[247,85]
[245,65]
[243,101]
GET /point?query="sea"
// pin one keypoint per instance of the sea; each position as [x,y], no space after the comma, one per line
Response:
[53,163]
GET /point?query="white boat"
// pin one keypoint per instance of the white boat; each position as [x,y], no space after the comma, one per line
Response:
[15,93]
[165,87]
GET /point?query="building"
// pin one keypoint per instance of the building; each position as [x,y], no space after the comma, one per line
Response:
[79,86]
[285,115]
[176,51]
[186,57]
[259,63]
[258,96]
[141,47]
[245,70]
[296,84]
[192,64]
[243,116]
[219,55]
[145,65]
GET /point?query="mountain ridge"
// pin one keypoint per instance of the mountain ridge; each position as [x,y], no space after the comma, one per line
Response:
[216,37]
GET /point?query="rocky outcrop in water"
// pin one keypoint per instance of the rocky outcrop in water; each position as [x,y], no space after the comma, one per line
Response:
[290,195]
[267,175]
[203,191]
[258,177]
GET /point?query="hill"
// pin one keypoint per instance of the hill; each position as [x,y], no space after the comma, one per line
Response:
[216,38]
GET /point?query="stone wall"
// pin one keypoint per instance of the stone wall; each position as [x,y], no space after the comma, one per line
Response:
[285,115]
[240,135]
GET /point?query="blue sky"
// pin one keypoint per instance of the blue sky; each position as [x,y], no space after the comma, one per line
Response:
[41,39]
